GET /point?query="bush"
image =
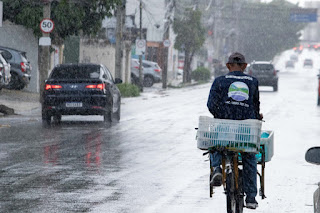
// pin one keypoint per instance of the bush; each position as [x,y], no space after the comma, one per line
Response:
[201,74]
[129,90]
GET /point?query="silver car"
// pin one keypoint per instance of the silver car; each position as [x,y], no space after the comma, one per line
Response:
[5,75]
[152,73]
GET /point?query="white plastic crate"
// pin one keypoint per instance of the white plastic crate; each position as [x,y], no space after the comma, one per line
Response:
[243,135]
[268,144]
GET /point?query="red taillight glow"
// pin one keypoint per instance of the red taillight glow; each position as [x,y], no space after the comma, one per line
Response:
[157,70]
[23,67]
[49,86]
[96,86]
[274,72]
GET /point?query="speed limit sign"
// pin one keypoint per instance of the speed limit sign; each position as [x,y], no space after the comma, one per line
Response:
[46,25]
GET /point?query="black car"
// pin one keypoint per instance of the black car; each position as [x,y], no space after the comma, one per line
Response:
[313,156]
[80,89]
[265,72]
[20,67]
[308,63]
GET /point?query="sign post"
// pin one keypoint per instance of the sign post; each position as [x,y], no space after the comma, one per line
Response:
[140,46]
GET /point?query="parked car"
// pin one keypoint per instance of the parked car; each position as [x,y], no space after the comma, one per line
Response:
[135,64]
[290,64]
[20,67]
[313,156]
[265,72]
[152,73]
[80,89]
[308,63]
[5,75]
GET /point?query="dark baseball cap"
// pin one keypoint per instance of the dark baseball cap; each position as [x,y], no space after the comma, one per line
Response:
[236,58]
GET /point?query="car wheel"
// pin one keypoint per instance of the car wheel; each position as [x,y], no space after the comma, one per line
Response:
[275,87]
[148,81]
[46,118]
[118,113]
[107,117]
[57,118]
[15,82]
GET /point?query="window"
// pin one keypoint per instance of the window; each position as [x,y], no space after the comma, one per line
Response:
[262,66]
[6,54]
[76,72]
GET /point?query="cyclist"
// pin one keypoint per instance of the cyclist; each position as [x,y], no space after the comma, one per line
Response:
[236,96]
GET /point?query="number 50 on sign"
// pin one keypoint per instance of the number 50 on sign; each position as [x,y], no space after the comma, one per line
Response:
[46,25]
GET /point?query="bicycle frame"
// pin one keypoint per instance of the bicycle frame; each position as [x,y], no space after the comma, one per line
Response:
[232,177]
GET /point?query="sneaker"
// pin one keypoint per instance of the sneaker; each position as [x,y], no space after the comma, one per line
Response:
[251,203]
[216,179]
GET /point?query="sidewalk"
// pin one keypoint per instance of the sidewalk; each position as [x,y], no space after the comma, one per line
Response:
[27,103]
[23,102]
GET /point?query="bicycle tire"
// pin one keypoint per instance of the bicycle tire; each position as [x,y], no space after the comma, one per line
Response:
[230,193]
[240,195]
[210,176]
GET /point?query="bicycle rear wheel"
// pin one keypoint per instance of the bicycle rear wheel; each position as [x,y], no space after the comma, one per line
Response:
[240,194]
[230,192]
[235,200]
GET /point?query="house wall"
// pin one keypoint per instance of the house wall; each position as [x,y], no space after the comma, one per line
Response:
[20,38]
[101,52]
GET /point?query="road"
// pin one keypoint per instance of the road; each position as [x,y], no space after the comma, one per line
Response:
[149,162]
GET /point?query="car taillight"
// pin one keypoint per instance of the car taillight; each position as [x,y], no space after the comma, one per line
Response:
[96,86]
[274,72]
[50,86]
[157,70]
[250,72]
[23,66]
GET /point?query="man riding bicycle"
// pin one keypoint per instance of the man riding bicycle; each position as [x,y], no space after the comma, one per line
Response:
[236,96]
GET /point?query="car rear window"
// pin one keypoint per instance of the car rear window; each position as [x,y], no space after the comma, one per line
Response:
[262,66]
[24,57]
[76,72]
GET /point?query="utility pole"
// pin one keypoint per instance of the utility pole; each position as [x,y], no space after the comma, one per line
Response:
[140,56]
[119,38]
[166,34]
[44,52]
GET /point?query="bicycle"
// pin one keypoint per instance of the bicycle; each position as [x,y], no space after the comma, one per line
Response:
[231,138]
[232,177]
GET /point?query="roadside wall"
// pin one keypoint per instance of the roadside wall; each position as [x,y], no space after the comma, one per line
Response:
[20,38]
[101,52]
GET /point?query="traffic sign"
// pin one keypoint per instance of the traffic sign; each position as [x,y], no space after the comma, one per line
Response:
[166,43]
[45,41]
[46,25]
[140,46]
[303,15]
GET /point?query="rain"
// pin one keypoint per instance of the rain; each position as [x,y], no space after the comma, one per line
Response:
[100,102]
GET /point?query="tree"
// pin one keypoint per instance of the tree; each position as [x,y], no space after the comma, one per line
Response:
[190,38]
[70,16]
[266,30]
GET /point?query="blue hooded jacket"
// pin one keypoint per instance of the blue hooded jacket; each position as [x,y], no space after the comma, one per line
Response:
[234,96]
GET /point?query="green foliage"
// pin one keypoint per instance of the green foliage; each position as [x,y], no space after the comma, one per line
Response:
[70,17]
[190,37]
[129,90]
[201,74]
[189,30]
[266,30]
